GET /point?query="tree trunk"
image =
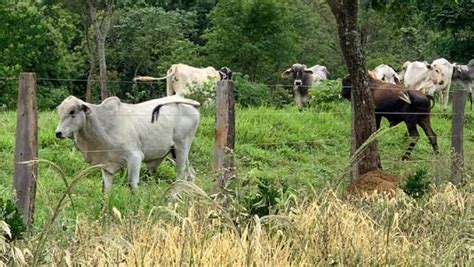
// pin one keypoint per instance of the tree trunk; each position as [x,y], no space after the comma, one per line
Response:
[92,62]
[102,68]
[102,29]
[345,12]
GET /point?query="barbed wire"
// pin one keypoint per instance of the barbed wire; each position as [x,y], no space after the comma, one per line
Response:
[302,114]
[174,82]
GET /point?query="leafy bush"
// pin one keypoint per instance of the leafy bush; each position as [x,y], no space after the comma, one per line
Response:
[326,92]
[417,185]
[249,93]
[51,97]
[12,216]
[204,93]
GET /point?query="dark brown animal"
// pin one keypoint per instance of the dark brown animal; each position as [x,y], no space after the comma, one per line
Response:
[398,104]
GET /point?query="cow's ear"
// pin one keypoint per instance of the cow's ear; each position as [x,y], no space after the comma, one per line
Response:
[286,73]
[308,71]
[86,109]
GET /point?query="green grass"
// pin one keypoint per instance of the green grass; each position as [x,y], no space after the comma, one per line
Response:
[284,146]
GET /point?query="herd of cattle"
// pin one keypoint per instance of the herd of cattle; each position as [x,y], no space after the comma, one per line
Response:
[116,135]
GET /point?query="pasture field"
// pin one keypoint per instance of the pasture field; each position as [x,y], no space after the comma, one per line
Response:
[288,205]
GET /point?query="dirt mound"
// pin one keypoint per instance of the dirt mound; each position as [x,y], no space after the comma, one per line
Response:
[374,180]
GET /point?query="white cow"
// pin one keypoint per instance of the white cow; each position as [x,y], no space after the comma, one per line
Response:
[181,78]
[319,73]
[116,134]
[421,76]
[447,70]
[464,74]
[387,74]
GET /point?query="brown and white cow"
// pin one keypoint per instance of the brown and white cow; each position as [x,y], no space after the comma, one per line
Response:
[303,79]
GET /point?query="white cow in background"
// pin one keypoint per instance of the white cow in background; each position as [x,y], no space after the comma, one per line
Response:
[116,134]
[387,74]
[421,76]
[443,88]
[180,78]
[464,74]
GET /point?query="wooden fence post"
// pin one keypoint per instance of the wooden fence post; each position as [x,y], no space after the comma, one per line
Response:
[26,147]
[223,163]
[355,166]
[457,128]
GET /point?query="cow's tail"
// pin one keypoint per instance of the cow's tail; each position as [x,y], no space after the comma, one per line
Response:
[432,100]
[148,78]
[421,101]
[155,113]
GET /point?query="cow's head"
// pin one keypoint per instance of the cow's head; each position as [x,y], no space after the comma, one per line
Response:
[436,75]
[459,70]
[387,74]
[297,71]
[72,117]
[225,73]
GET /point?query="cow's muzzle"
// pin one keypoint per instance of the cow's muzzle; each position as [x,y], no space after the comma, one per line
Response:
[60,135]
[298,83]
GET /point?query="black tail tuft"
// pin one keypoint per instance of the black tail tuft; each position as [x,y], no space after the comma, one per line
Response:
[155,113]
[432,99]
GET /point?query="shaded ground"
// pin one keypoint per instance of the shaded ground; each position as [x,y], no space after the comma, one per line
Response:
[374,181]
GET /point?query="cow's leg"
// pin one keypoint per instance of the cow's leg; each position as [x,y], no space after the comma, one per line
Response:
[133,165]
[183,167]
[471,93]
[414,135]
[107,178]
[298,100]
[304,100]
[426,126]
[446,98]
[441,99]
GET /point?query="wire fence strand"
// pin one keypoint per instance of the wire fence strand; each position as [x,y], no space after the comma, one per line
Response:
[174,82]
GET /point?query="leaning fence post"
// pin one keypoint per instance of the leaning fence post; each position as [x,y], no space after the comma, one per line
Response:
[457,128]
[223,163]
[26,147]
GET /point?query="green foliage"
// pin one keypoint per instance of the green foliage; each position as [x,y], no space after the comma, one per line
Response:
[12,216]
[326,92]
[34,39]
[252,37]
[204,93]
[263,196]
[417,185]
[249,93]
[147,41]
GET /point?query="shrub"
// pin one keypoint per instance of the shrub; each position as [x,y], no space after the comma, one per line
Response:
[250,94]
[417,185]
[204,93]
[12,216]
[326,92]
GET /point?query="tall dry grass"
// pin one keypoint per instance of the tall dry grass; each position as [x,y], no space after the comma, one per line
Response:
[321,229]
